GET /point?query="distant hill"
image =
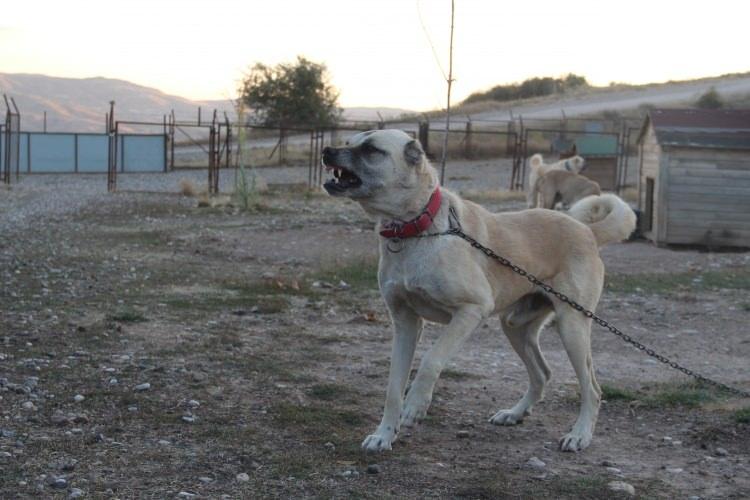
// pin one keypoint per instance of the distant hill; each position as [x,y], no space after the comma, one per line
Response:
[80,104]
[589,100]
[371,114]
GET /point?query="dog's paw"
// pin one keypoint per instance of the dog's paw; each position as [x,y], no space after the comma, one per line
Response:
[575,441]
[413,413]
[506,417]
[377,442]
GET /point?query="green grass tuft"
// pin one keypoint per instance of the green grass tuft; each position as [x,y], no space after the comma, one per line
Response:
[458,375]
[665,283]
[329,392]
[314,417]
[127,316]
[611,393]
[742,416]
[668,395]
[360,273]
[688,395]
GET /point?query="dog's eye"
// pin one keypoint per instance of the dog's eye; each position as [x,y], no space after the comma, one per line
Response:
[369,148]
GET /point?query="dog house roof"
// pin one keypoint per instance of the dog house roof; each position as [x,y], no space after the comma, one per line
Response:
[700,128]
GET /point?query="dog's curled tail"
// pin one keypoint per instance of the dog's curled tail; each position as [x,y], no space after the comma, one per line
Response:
[536,161]
[608,216]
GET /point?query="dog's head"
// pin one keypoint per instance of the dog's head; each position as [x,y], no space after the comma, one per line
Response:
[378,168]
[576,164]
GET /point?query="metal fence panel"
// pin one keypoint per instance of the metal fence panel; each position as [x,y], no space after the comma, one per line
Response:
[52,153]
[23,153]
[142,153]
[92,153]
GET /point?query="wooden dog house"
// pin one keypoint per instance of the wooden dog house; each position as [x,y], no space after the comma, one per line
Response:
[694,177]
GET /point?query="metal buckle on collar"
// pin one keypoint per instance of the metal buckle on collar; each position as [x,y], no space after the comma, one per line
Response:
[395,245]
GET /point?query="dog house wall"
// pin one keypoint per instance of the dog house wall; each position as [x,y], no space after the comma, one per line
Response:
[694,177]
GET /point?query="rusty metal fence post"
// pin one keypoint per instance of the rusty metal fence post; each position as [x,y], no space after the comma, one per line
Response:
[315,168]
[11,138]
[468,152]
[213,157]
[112,150]
[424,136]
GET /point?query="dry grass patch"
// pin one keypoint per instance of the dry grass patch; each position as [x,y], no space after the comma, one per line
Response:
[188,188]
[493,195]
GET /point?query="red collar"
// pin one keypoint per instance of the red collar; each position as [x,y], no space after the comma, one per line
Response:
[397,229]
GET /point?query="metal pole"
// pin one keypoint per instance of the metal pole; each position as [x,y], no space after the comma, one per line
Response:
[171,141]
[448,106]
[112,164]
[312,160]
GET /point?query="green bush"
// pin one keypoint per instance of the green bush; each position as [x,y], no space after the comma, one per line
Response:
[710,100]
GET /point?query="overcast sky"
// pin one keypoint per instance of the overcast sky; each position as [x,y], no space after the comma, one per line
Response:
[377,51]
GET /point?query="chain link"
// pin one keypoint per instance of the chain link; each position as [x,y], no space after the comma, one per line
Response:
[456,231]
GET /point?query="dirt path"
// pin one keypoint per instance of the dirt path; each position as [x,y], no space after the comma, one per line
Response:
[265,345]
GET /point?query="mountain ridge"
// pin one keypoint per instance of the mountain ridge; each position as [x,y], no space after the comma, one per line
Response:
[81,104]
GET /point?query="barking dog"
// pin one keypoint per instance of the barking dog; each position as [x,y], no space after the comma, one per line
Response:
[565,187]
[443,279]
[538,168]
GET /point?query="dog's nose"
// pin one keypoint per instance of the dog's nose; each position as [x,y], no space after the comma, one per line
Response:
[328,154]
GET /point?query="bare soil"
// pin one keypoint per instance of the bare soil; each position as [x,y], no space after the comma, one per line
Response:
[265,344]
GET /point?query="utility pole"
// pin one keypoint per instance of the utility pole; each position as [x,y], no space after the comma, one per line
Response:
[448,106]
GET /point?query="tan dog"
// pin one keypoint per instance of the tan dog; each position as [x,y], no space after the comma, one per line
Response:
[564,187]
[538,168]
[443,279]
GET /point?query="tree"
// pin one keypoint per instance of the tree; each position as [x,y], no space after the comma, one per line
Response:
[710,100]
[291,94]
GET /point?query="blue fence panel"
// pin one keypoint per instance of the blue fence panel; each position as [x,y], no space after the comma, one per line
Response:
[23,164]
[93,152]
[143,153]
[23,153]
[88,153]
[52,153]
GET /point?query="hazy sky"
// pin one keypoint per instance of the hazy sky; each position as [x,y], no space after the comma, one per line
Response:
[377,52]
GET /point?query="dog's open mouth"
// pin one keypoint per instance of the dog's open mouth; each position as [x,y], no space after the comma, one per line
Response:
[343,179]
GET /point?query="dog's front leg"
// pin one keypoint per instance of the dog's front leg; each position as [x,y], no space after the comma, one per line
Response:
[462,324]
[407,328]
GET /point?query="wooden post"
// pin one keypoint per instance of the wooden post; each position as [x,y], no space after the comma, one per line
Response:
[424,136]
[448,105]
[467,141]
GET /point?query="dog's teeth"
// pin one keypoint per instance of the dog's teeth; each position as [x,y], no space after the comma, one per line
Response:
[337,173]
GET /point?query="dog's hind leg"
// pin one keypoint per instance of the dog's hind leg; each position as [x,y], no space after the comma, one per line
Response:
[575,332]
[407,329]
[462,324]
[525,341]
[532,195]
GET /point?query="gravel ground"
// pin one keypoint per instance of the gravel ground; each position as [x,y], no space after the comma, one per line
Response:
[150,348]
[42,195]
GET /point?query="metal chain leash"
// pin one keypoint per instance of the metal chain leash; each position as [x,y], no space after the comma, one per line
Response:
[456,231]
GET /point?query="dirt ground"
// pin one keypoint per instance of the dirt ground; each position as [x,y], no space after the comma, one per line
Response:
[153,349]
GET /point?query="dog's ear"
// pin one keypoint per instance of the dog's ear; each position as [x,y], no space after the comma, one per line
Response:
[413,153]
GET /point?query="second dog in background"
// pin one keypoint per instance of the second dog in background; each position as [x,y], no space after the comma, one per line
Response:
[538,168]
[559,186]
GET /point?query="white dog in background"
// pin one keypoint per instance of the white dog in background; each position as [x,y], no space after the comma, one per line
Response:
[537,168]
[445,280]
